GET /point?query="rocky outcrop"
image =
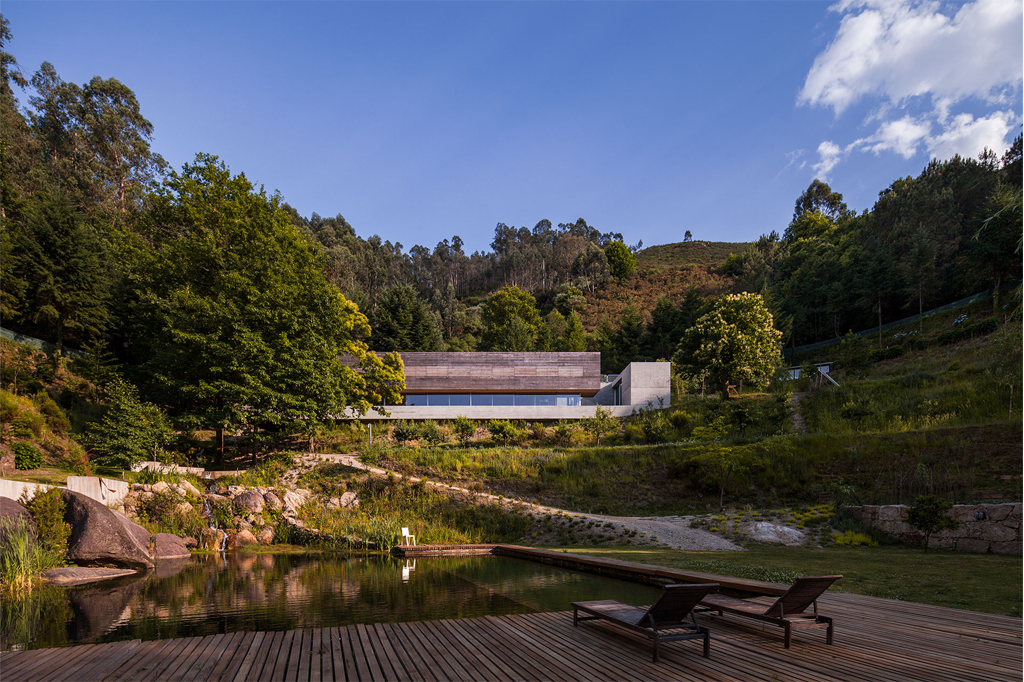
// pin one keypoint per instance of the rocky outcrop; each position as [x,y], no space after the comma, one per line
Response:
[9,509]
[250,502]
[212,539]
[242,538]
[774,534]
[348,500]
[168,546]
[102,537]
[273,501]
[80,575]
[992,528]
[265,536]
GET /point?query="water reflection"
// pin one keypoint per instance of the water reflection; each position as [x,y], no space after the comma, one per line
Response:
[217,593]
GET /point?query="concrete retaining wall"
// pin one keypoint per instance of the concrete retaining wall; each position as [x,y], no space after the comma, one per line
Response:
[109,491]
[105,490]
[999,532]
[14,489]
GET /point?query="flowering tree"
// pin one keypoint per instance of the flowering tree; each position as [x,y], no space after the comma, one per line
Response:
[735,342]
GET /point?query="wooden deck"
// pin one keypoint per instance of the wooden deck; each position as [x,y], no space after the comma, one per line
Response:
[876,640]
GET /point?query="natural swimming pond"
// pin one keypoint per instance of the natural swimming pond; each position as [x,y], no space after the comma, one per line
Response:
[211,594]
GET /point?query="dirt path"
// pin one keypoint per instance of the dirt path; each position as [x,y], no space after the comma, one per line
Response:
[799,425]
[670,531]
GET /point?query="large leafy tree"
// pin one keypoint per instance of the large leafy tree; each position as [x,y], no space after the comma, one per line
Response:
[402,322]
[236,323]
[512,320]
[734,342]
[621,261]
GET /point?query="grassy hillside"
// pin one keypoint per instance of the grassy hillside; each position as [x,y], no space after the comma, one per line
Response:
[665,270]
[43,405]
[937,419]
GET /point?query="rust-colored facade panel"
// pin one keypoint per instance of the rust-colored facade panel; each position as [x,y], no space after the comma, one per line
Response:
[502,373]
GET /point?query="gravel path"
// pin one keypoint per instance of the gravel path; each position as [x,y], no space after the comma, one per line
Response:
[671,531]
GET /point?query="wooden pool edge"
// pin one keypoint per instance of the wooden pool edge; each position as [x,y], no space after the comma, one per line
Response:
[616,568]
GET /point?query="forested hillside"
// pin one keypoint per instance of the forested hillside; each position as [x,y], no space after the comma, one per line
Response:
[228,308]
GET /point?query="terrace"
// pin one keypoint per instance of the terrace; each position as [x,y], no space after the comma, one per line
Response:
[876,639]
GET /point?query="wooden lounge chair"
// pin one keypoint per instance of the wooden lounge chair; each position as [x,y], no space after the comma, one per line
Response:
[673,611]
[788,609]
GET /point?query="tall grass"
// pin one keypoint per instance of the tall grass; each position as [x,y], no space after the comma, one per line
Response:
[939,387]
[433,516]
[22,556]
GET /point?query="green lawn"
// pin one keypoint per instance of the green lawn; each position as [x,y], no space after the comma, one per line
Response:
[976,582]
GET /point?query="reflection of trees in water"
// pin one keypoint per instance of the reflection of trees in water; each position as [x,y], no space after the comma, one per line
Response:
[241,591]
[36,620]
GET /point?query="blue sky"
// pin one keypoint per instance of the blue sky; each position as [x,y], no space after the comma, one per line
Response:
[417,121]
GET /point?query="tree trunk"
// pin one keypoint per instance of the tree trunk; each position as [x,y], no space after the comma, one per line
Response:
[721,498]
[879,320]
[995,295]
[920,308]
[220,441]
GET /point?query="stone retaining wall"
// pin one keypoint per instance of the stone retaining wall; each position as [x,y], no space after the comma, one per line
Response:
[999,532]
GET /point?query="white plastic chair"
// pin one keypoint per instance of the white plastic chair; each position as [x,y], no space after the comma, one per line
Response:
[408,539]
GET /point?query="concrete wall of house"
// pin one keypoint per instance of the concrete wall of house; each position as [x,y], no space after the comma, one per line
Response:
[644,382]
[999,532]
[523,412]
[606,396]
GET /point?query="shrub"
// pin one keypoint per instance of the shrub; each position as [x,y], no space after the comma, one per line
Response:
[52,414]
[9,407]
[929,515]
[464,428]
[986,326]
[920,343]
[28,425]
[47,509]
[405,430]
[26,456]
[887,353]
[431,432]
[853,539]
[503,430]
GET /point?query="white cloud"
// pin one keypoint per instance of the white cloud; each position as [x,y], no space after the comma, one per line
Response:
[830,154]
[898,50]
[902,136]
[900,55]
[968,136]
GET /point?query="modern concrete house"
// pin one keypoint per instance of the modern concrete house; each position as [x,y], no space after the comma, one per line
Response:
[528,386]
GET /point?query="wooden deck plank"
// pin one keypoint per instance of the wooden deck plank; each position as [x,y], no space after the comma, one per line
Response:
[406,647]
[348,655]
[263,660]
[416,671]
[280,663]
[877,640]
